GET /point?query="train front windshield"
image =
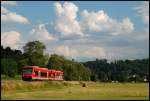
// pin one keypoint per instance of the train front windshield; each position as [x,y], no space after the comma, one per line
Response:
[27,70]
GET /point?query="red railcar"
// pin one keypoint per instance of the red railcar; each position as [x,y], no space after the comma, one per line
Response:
[38,73]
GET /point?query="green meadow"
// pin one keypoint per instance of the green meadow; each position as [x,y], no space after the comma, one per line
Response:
[72,90]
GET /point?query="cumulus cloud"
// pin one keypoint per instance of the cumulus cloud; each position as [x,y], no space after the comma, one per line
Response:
[101,22]
[40,32]
[89,25]
[95,52]
[67,9]
[66,23]
[143,11]
[10,39]
[12,17]
[10,3]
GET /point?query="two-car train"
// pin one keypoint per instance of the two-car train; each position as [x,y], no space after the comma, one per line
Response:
[38,73]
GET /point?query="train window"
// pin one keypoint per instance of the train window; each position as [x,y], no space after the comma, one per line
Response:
[36,72]
[27,70]
[50,74]
[43,73]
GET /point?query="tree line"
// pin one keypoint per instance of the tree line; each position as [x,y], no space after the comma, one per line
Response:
[34,53]
[120,70]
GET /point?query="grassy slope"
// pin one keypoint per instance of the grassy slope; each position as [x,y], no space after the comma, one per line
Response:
[16,89]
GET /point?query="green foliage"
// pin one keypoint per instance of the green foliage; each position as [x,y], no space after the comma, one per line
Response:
[102,76]
[55,62]
[120,70]
[93,78]
[34,47]
[9,53]
[15,55]
[22,63]
[72,70]
[9,67]
[34,53]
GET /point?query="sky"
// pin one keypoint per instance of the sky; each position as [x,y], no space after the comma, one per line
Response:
[80,30]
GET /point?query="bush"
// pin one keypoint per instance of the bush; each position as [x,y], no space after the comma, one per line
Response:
[9,67]
[83,85]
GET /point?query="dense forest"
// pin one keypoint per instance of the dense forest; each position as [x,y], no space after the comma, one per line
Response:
[99,70]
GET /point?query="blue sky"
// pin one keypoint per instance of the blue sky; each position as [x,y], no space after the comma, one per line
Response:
[83,30]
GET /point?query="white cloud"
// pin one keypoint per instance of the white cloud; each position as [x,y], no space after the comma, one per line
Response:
[40,32]
[66,23]
[10,3]
[101,22]
[10,38]
[68,10]
[12,17]
[66,51]
[4,10]
[94,52]
[143,11]
[127,25]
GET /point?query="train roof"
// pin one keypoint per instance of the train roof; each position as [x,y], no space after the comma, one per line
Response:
[30,67]
[41,68]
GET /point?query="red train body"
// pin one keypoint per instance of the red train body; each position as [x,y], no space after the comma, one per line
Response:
[38,73]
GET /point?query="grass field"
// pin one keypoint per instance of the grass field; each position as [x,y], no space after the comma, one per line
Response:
[67,90]
[4,77]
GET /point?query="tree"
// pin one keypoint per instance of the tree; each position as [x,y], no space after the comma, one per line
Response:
[34,47]
[22,63]
[55,62]
[34,53]
[72,70]
[9,67]
[102,76]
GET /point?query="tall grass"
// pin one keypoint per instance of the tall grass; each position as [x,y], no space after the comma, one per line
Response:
[11,85]
[17,89]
